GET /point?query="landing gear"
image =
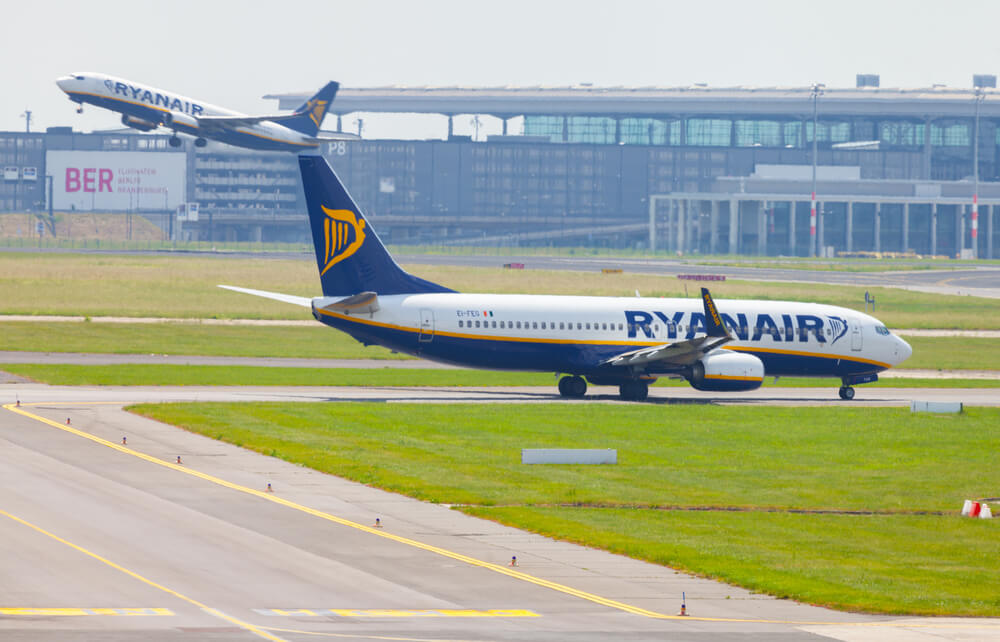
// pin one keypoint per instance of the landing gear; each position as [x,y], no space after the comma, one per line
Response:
[79,108]
[200,142]
[174,141]
[846,393]
[573,387]
[633,391]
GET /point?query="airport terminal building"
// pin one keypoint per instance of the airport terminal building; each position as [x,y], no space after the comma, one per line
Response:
[688,169]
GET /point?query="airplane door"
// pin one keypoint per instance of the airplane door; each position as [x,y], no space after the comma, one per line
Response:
[856,336]
[426,325]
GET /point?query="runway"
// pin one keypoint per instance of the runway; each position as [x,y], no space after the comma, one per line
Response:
[113,542]
[981,280]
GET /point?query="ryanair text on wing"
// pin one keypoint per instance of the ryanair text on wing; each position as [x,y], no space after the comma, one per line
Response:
[745,327]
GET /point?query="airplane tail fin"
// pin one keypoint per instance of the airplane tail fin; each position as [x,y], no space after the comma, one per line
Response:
[350,256]
[309,116]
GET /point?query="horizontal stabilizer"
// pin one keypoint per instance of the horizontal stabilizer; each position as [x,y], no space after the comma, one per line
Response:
[305,302]
[364,303]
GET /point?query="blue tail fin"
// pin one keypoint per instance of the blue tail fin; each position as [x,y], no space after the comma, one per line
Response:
[309,116]
[350,256]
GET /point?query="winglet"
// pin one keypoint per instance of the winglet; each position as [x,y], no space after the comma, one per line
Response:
[713,322]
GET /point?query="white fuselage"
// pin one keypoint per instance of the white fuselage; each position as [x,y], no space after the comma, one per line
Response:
[574,334]
[152,105]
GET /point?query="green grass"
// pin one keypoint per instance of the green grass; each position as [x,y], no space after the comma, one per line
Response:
[317,341]
[185,286]
[177,375]
[847,459]
[201,375]
[935,353]
[927,565]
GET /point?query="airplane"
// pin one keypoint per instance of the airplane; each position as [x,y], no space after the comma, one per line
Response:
[724,346]
[147,108]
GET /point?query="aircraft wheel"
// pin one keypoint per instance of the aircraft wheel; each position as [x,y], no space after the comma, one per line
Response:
[573,387]
[200,142]
[174,141]
[846,393]
[634,391]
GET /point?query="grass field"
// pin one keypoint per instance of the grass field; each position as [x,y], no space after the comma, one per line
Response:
[887,461]
[938,353]
[316,341]
[199,375]
[184,286]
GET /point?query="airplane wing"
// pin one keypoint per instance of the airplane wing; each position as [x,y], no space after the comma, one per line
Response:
[232,122]
[284,298]
[680,353]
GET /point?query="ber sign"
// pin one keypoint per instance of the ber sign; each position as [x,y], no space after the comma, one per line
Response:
[117,181]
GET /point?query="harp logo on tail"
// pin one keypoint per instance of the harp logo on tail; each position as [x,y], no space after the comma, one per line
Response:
[344,233]
[316,110]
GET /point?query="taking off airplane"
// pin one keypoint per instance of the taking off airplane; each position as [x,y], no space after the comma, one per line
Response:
[726,345]
[147,108]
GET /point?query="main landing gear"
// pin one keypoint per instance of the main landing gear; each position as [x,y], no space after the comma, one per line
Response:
[200,142]
[633,390]
[573,387]
[174,141]
[846,393]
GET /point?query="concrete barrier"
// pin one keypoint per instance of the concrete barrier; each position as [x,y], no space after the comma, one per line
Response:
[569,456]
[935,406]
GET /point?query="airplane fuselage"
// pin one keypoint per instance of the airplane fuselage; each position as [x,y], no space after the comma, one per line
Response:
[573,334]
[150,107]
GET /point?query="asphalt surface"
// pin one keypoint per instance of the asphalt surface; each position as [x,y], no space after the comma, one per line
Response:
[981,281]
[110,542]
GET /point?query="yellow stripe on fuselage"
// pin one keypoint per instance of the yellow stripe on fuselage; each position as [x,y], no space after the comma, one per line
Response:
[629,344]
[167,111]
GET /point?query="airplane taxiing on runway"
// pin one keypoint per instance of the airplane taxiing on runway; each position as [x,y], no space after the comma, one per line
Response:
[725,345]
[147,108]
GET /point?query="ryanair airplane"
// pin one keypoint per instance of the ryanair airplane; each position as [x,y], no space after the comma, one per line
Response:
[147,108]
[626,342]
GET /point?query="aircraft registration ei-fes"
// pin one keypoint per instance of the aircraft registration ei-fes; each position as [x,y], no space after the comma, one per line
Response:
[725,345]
[147,108]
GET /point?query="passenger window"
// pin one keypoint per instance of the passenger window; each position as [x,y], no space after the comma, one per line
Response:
[621,326]
[494,324]
[656,328]
[579,325]
[562,325]
[518,325]
[477,324]
[534,325]
[588,326]
[543,325]
[460,323]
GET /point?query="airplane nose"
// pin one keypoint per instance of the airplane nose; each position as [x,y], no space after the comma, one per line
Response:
[63,82]
[903,350]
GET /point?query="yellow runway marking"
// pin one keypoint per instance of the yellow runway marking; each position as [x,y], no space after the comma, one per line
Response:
[496,568]
[62,611]
[390,613]
[219,614]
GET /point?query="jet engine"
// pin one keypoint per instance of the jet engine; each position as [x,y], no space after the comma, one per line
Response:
[727,371]
[138,123]
[172,118]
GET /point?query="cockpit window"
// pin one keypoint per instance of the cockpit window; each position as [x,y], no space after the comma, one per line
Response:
[881,329]
[79,77]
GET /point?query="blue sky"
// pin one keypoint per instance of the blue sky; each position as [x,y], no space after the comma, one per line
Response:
[231,53]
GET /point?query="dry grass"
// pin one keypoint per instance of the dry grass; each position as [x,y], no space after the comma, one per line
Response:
[184,286]
[82,225]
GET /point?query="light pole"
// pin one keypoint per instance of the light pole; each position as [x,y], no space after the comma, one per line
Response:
[816,92]
[980,96]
